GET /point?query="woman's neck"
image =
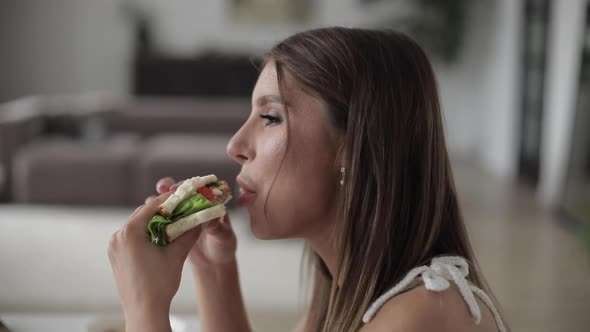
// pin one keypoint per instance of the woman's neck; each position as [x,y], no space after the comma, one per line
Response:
[323,243]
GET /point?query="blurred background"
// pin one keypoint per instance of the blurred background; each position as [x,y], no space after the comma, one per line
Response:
[100,99]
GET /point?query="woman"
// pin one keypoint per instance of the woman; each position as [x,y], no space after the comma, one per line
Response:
[344,147]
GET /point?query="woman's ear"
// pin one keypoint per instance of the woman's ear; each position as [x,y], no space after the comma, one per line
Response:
[340,162]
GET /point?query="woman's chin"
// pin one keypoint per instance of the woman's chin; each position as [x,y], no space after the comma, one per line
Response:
[261,233]
[261,230]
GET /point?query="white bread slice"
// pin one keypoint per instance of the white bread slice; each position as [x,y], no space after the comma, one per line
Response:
[184,191]
[177,228]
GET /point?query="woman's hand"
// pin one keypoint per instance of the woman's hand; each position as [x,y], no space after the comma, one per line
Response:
[147,276]
[213,258]
[217,243]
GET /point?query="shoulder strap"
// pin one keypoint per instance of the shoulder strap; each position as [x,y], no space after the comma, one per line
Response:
[437,277]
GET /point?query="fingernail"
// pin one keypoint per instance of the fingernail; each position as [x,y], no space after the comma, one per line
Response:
[161,187]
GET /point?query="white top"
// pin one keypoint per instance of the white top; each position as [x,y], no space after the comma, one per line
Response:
[437,277]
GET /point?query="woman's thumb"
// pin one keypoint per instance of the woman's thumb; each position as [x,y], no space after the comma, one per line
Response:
[219,229]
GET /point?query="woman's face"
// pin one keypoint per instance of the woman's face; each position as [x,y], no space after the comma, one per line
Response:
[288,188]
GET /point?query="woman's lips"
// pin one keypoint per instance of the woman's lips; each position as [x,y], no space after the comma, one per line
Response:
[245,198]
[247,195]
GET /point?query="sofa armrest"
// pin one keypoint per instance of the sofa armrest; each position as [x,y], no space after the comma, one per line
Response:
[20,123]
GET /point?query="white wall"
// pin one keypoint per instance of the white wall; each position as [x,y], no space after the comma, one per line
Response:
[36,47]
[62,46]
[460,83]
[480,93]
[185,26]
[564,64]
[500,92]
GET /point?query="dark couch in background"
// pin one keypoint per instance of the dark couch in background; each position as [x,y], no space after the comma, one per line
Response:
[112,153]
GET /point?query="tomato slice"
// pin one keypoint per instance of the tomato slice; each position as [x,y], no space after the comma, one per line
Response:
[207,193]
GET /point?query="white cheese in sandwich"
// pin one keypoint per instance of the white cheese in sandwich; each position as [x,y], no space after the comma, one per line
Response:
[182,225]
[184,191]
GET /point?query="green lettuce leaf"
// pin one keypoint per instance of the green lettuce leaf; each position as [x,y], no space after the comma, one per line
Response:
[191,205]
[157,230]
[157,225]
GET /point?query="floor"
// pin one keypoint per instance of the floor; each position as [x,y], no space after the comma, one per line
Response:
[537,268]
[536,265]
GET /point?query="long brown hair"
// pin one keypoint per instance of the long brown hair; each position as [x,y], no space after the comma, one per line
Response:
[398,206]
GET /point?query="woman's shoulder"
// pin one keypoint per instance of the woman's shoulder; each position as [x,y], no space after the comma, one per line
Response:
[420,310]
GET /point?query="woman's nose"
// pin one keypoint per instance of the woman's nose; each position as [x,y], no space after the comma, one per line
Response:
[238,148]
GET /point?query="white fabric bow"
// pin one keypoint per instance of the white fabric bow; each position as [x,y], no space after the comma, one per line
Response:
[437,278]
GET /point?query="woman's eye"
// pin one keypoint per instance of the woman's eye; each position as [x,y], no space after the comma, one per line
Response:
[270,120]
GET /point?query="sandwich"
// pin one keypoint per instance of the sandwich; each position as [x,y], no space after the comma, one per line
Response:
[197,200]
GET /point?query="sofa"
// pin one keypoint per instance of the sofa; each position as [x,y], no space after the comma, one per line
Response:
[83,150]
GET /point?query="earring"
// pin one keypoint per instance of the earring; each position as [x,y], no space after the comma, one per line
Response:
[342,179]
